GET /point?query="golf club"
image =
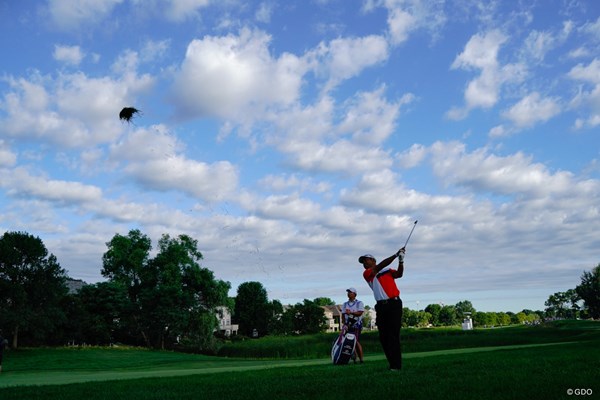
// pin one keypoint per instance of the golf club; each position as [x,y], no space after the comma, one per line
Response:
[410,234]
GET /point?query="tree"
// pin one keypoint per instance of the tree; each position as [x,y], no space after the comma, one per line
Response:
[447,316]
[463,307]
[32,284]
[277,322]
[410,318]
[563,304]
[434,311]
[170,297]
[305,318]
[94,314]
[324,301]
[503,318]
[252,309]
[589,291]
[123,263]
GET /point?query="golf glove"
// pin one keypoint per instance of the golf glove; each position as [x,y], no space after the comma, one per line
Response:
[400,254]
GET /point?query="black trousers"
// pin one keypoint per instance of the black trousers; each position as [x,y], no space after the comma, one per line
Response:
[389,322]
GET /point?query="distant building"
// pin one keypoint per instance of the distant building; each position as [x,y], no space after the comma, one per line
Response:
[225,326]
[334,318]
[74,285]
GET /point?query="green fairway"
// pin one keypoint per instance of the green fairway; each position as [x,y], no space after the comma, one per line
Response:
[505,371]
[208,366]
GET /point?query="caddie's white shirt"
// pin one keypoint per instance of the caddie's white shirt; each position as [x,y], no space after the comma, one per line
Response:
[353,306]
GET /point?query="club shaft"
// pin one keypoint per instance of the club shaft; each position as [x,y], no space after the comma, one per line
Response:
[410,234]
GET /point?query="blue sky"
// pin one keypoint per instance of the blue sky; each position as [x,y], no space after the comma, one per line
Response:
[289,138]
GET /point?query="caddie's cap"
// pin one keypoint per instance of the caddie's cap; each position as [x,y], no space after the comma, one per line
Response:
[353,290]
[361,258]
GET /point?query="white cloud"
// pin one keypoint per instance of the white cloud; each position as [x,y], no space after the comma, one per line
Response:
[7,157]
[281,183]
[264,12]
[589,73]
[154,50]
[413,156]
[400,23]
[538,44]
[153,159]
[483,172]
[481,53]
[179,10]
[592,28]
[371,118]
[342,157]
[69,15]
[533,109]
[587,98]
[499,131]
[68,54]
[344,58]
[230,76]
[20,183]
[71,110]
[407,16]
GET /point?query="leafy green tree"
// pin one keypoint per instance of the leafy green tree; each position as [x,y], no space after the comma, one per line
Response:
[589,291]
[252,309]
[124,263]
[307,318]
[521,317]
[94,314]
[424,319]
[366,321]
[503,319]
[447,316]
[434,311]
[171,296]
[410,318]
[277,322]
[463,307]
[480,319]
[32,285]
[324,301]
[563,304]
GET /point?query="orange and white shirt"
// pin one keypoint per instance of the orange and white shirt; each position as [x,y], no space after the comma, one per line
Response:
[382,283]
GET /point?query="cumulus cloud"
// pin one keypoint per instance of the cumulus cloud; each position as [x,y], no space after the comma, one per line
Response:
[21,183]
[370,117]
[344,58]
[154,159]
[533,109]
[342,156]
[407,16]
[68,54]
[481,53]
[232,75]
[72,110]
[413,156]
[481,171]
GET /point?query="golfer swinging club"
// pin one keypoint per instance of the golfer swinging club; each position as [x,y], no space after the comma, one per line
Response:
[381,279]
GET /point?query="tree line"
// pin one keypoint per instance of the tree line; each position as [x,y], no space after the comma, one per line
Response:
[171,301]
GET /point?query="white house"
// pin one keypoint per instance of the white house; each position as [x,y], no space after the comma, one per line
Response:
[225,326]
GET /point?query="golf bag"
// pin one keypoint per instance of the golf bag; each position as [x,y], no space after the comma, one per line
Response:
[343,347]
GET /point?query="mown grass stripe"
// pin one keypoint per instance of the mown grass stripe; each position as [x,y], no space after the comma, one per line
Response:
[37,378]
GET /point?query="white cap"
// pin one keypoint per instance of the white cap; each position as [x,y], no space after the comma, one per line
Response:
[361,258]
[353,290]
